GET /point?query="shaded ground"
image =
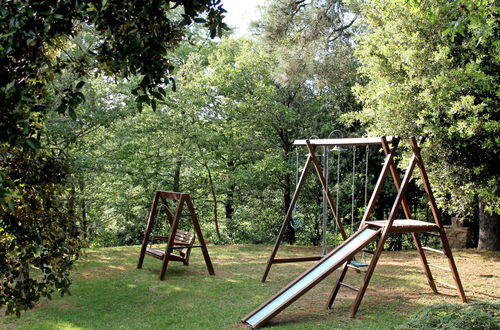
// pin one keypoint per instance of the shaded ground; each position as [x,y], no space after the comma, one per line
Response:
[109,292]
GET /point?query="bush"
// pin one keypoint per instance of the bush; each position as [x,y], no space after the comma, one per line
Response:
[39,230]
[480,315]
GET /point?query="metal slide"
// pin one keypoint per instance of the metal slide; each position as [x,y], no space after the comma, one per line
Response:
[311,277]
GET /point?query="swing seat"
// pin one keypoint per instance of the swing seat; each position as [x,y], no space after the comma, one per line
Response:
[183,243]
[358,263]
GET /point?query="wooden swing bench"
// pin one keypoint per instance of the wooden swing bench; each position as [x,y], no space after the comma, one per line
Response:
[183,243]
[177,239]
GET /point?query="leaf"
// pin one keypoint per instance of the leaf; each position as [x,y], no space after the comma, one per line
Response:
[80,84]
[33,144]
[153,104]
[157,95]
[62,107]
[72,113]
[143,99]
[174,85]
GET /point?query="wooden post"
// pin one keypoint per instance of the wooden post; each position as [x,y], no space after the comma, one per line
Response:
[383,238]
[199,234]
[380,183]
[437,218]
[171,238]
[149,228]
[407,211]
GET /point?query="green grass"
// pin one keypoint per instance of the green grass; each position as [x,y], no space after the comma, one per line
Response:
[108,292]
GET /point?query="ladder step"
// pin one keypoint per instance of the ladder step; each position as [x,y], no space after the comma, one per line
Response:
[431,234]
[439,267]
[349,286]
[432,250]
[368,251]
[446,284]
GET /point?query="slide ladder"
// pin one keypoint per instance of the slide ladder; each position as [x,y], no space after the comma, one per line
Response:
[311,277]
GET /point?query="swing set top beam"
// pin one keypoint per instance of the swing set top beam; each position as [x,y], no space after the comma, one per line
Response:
[344,142]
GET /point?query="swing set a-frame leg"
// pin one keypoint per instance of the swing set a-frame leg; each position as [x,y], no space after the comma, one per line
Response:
[437,218]
[288,217]
[311,158]
[407,211]
[385,233]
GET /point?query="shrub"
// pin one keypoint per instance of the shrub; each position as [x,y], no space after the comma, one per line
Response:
[480,315]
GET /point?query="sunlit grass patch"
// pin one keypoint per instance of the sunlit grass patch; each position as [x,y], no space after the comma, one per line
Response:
[109,292]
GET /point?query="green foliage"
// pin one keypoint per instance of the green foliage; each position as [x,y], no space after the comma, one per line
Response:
[476,315]
[39,232]
[49,49]
[432,69]
[134,39]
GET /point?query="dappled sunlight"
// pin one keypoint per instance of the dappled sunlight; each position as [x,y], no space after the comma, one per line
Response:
[397,289]
[66,325]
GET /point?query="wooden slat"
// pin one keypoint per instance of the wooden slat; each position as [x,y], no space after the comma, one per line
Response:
[155,253]
[186,246]
[439,267]
[343,142]
[446,284]
[431,234]
[349,286]
[432,250]
[405,226]
[296,259]
[170,195]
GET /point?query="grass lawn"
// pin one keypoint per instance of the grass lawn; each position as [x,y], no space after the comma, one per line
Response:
[108,292]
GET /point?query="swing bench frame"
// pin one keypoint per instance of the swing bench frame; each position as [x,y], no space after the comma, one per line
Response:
[177,239]
[389,226]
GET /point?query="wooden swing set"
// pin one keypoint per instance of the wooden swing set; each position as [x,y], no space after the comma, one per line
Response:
[177,239]
[342,256]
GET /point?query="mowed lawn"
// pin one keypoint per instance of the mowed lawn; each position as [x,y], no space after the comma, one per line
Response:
[108,292]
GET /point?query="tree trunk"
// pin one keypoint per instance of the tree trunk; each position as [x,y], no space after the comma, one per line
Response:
[214,199]
[83,210]
[176,186]
[229,203]
[489,229]
[287,199]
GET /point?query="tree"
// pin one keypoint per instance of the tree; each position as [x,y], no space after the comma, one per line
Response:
[39,234]
[432,69]
[134,39]
[311,45]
